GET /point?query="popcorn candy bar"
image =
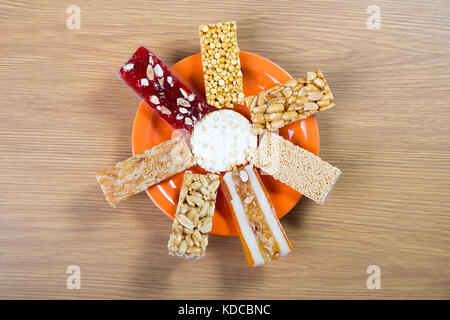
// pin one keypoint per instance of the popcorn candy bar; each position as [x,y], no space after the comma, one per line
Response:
[260,232]
[161,90]
[193,218]
[143,170]
[285,103]
[222,73]
[295,166]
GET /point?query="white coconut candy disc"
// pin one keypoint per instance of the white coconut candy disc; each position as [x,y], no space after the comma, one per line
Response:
[222,140]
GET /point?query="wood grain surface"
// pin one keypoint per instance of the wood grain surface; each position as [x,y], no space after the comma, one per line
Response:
[64,116]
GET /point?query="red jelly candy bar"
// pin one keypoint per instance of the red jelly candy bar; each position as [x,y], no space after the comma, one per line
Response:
[161,90]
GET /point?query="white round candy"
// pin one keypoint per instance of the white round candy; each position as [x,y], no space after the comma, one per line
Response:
[221,140]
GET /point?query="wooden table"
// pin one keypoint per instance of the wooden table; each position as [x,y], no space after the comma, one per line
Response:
[65,115]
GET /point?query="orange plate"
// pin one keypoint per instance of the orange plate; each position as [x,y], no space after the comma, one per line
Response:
[259,73]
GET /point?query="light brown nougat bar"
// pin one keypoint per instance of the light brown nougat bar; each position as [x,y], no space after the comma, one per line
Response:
[193,218]
[222,73]
[295,166]
[285,103]
[143,170]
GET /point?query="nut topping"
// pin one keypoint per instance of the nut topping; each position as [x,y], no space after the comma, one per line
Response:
[158,71]
[128,66]
[154,99]
[184,220]
[184,93]
[243,175]
[150,73]
[183,103]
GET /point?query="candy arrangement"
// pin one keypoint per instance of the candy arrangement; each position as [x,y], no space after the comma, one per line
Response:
[225,144]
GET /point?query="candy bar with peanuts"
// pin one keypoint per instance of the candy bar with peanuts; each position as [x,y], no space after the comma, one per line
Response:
[260,232]
[222,73]
[153,82]
[193,218]
[285,103]
[295,166]
[143,170]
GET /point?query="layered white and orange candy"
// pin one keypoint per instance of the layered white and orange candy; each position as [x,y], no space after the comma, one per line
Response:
[260,231]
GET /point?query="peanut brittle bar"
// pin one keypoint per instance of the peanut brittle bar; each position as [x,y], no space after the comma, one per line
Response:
[295,166]
[193,218]
[143,170]
[260,231]
[153,82]
[285,103]
[222,73]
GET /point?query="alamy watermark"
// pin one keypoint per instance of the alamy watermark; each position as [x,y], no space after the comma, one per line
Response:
[373,22]
[73,22]
[374,280]
[74,280]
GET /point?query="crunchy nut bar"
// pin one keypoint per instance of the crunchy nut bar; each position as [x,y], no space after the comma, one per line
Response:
[143,170]
[285,103]
[193,218]
[295,166]
[260,232]
[221,64]
[153,82]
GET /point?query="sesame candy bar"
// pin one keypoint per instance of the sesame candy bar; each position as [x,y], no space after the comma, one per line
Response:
[221,65]
[260,231]
[285,103]
[153,82]
[193,218]
[295,166]
[143,170]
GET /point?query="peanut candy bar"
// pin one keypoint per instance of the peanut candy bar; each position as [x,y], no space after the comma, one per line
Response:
[193,218]
[260,231]
[285,103]
[143,170]
[222,73]
[295,166]
[153,82]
